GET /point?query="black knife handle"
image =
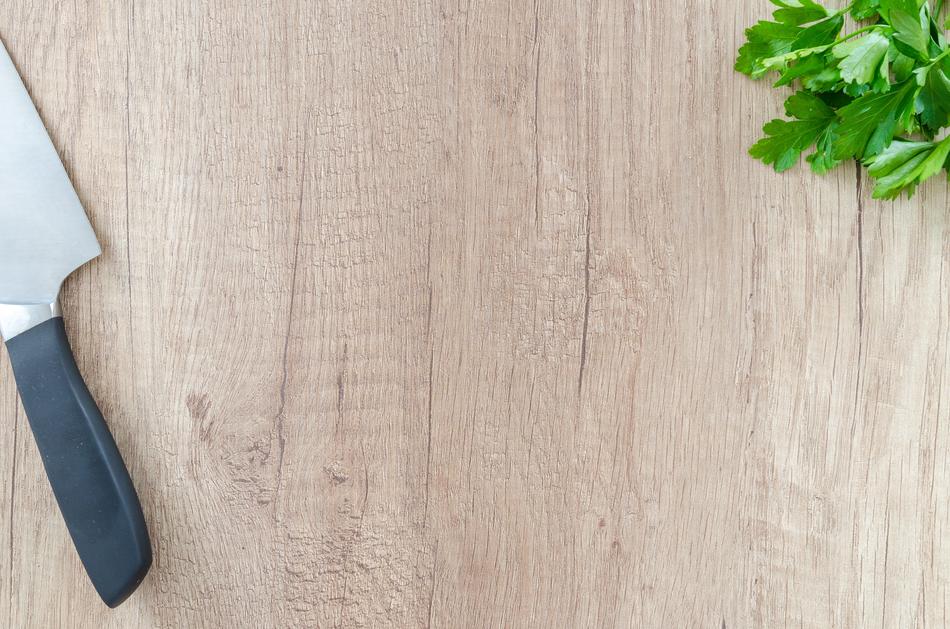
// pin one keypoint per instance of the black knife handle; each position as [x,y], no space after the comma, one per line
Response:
[89,479]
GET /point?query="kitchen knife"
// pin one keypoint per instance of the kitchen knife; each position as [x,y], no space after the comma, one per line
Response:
[45,236]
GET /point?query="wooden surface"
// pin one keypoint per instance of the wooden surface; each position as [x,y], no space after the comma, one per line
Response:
[476,314]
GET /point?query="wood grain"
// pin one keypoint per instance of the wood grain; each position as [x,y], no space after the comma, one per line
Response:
[446,314]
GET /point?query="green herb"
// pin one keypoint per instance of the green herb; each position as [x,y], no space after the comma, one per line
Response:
[879,94]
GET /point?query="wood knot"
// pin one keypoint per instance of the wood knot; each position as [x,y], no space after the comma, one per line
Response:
[198,406]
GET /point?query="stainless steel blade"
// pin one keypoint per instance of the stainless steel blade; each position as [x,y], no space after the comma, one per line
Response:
[44,232]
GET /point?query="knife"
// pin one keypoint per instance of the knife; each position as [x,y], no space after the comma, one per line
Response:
[45,236]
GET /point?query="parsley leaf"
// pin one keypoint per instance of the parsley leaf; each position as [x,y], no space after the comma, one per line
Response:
[901,65]
[786,140]
[907,6]
[934,100]
[765,40]
[878,92]
[823,159]
[819,34]
[770,42]
[797,12]
[904,165]
[868,124]
[863,58]
[865,9]
[802,69]
[910,36]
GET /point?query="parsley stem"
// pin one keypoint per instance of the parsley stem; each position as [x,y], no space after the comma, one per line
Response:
[849,7]
[939,57]
[855,34]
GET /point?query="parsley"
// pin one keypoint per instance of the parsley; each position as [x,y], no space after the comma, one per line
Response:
[879,94]
[786,140]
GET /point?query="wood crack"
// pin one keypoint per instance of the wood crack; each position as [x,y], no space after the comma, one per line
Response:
[537,115]
[857,382]
[860,250]
[128,205]
[580,375]
[425,512]
[282,395]
[341,390]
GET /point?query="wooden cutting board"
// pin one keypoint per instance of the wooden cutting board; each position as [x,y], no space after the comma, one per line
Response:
[476,314]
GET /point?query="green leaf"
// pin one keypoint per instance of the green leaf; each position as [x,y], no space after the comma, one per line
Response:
[907,6]
[901,64]
[905,165]
[799,69]
[819,34]
[823,160]
[880,95]
[937,39]
[909,31]
[882,81]
[934,100]
[772,45]
[781,62]
[898,153]
[824,81]
[765,40]
[797,12]
[805,106]
[865,9]
[861,58]
[786,140]
[868,124]
[806,67]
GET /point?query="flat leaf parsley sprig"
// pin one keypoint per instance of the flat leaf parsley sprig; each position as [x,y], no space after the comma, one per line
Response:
[879,94]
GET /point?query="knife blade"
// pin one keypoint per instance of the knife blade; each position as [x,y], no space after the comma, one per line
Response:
[45,235]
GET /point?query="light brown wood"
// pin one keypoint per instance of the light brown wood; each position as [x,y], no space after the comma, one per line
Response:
[477,315]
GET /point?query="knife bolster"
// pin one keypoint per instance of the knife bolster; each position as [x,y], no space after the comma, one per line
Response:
[15,319]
